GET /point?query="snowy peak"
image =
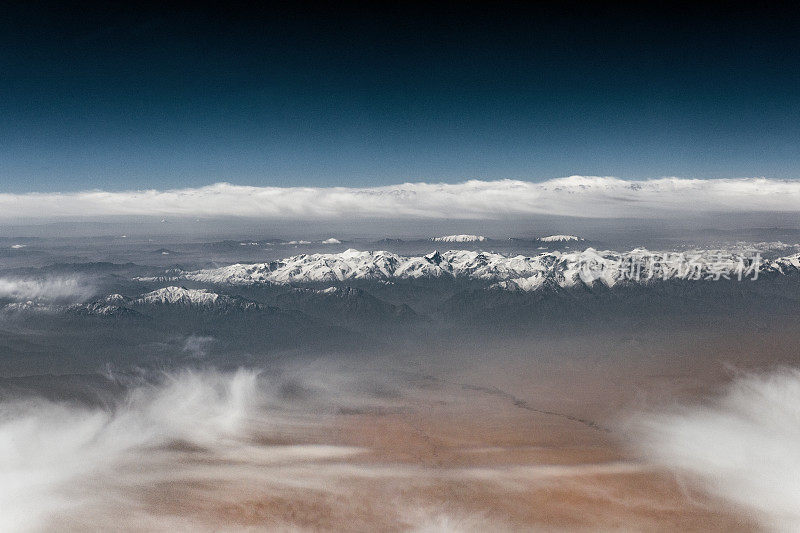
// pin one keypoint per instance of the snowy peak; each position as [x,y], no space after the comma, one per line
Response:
[111,305]
[201,299]
[459,238]
[168,297]
[115,299]
[786,264]
[560,238]
[179,296]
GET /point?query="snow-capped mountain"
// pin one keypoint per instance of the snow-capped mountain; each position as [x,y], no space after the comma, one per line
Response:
[180,296]
[560,238]
[111,305]
[564,269]
[194,298]
[786,264]
[459,238]
[293,308]
[169,297]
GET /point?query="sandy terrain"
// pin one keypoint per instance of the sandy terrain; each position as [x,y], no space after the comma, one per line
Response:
[452,457]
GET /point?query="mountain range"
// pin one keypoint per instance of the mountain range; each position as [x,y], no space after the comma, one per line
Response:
[527,273]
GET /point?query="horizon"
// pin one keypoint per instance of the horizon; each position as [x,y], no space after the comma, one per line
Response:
[418,267]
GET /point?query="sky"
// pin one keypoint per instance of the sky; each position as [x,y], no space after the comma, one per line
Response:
[122,98]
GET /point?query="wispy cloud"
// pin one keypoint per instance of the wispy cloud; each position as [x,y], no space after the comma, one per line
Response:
[49,288]
[743,447]
[578,196]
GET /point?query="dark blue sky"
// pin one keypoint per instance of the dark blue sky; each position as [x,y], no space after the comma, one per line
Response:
[120,98]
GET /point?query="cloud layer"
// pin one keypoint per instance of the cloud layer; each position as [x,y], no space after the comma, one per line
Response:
[578,196]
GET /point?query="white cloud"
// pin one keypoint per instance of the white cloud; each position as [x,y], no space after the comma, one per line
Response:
[56,457]
[571,196]
[50,289]
[743,447]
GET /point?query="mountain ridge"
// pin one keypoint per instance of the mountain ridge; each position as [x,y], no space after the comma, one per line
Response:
[517,272]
